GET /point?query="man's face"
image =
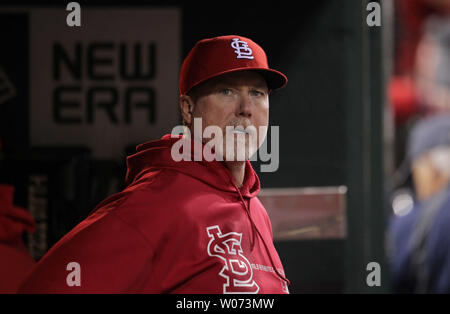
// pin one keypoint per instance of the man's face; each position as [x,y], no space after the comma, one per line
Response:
[233,100]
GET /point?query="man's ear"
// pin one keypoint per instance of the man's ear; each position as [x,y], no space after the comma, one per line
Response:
[186,106]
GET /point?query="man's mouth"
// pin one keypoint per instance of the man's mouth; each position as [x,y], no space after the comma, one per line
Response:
[239,130]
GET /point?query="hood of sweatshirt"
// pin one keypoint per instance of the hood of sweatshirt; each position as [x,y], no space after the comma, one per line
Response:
[157,155]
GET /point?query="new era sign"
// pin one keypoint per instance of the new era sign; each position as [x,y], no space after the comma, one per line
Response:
[107,84]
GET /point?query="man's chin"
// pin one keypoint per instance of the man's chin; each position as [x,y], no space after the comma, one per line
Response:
[240,153]
[237,151]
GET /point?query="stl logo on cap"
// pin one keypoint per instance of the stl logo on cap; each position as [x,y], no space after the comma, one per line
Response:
[241,49]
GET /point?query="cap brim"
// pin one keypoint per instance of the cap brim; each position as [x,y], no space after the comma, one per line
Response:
[274,79]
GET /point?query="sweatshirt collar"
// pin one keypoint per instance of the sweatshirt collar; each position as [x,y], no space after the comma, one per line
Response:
[156,154]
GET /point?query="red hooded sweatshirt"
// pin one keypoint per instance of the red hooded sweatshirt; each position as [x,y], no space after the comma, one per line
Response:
[178,227]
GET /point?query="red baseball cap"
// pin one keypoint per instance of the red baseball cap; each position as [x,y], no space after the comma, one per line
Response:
[225,54]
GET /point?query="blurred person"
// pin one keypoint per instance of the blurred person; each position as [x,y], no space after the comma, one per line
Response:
[184,226]
[413,30]
[16,263]
[425,90]
[419,242]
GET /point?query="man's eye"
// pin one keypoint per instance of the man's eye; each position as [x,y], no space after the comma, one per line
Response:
[257,93]
[226,91]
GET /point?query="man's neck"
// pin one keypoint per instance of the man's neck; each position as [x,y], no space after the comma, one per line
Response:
[237,169]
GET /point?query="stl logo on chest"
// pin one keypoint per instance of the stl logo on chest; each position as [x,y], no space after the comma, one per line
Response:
[236,269]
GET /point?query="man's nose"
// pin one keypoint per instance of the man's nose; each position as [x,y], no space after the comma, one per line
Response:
[245,106]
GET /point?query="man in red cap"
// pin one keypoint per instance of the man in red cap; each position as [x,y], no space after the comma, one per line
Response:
[190,225]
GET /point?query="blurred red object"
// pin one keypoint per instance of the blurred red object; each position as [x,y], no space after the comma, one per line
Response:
[15,262]
[403,98]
